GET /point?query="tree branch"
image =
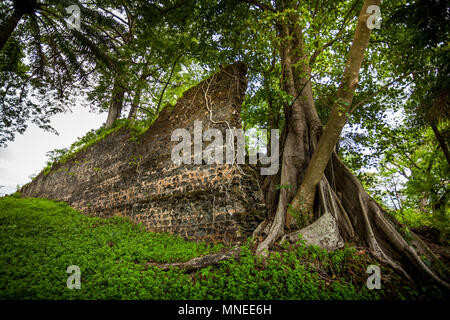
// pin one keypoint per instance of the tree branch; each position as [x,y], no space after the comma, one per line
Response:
[260,5]
[331,42]
[167,83]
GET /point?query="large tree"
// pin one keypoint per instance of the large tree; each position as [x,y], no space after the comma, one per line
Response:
[311,69]
[313,180]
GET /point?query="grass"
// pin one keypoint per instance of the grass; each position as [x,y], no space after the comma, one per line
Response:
[40,238]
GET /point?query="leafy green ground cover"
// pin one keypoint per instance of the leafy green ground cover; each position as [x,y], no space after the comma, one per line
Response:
[40,238]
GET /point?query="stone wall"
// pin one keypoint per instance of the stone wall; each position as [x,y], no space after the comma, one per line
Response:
[137,179]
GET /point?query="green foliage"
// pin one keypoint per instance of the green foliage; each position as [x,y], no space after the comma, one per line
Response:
[45,64]
[412,177]
[390,144]
[15,109]
[300,215]
[406,233]
[41,238]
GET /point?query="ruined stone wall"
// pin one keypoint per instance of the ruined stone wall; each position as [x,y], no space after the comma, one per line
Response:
[137,179]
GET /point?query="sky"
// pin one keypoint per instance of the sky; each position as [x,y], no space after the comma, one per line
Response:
[26,155]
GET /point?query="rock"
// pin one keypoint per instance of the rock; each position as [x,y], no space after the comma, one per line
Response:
[323,233]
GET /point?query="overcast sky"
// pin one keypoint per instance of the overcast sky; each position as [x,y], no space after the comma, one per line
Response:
[25,155]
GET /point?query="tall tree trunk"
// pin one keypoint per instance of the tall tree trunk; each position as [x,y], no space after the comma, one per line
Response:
[9,26]
[138,93]
[294,156]
[116,104]
[135,103]
[304,197]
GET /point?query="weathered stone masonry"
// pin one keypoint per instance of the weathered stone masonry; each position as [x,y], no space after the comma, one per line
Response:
[137,179]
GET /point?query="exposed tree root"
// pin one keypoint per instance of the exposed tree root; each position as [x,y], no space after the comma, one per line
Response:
[379,233]
[360,220]
[198,263]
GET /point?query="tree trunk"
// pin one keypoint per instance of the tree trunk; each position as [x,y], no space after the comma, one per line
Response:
[135,104]
[294,156]
[271,181]
[115,108]
[138,93]
[304,198]
[301,120]
[9,26]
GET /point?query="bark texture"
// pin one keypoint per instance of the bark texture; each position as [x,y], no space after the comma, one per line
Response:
[135,104]
[115,108]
